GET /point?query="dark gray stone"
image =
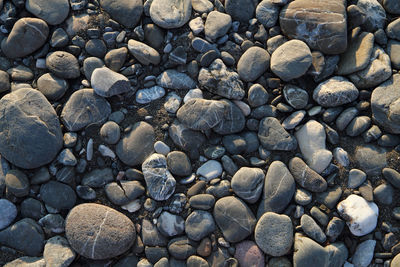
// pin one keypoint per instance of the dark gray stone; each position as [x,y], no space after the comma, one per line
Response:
[8,214]
[98,177]
[241,10]
[179,163]
[233,120]
[273,136]
[371,159]
[186,138]
[306,177]
[53,12]
[253,63]
[58,195]
[312,229]
[181,248]
[126,12]
[52,87]
[247,183]
[124,193]
[199,224]
[63,64]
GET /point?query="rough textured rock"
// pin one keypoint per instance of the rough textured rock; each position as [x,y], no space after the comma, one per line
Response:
[99,232]
[376,17]
[335,91]
[125,12]
[233,120]
[371,159]
[217,25]
[273,136]
[325,30]
[28,119]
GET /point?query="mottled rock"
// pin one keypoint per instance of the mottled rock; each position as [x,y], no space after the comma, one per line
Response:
[306,177]
[127,13]
[199,224]
[371,159]
[247,183]
[273,136]
[334,92]
[170,14]
[175,80]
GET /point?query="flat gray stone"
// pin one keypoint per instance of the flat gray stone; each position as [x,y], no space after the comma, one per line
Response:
[143,53]
[175,80]
[371,159]
[53,12]
[241,10]
[8,214]
[306,177]
[217,25]
[58,195]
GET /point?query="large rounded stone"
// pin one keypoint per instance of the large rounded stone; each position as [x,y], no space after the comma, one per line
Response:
[137,145]
[52,11]
[30,133]
[253,63]
[27,35]
[126,12]
[234,218]
[83,108]
[99,232]
[170,14]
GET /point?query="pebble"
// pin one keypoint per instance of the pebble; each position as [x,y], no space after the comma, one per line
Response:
[170,14]
[356,178]
[161,148]
[58,195]
[143,53]
[273,136]
[179,163]
[110,132]
[128,16]
[210,170]
[267,13]
[196,25]
[312,229]
[63,64]
[217,25]
[107,83]
[364,253]
[306,177]
[334,92]
[52,87]
[170,224]
[57,252]
[371,159]
[384,194]
[172,103]
[253,63]
[199,224]
[173,79]
[295,96]
[145,96]
[8,214]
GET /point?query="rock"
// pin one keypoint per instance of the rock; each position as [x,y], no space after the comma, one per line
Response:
[253,63]
[376,17]
[247,183]
[8,214]
[172,102]
[25,236]
[53,12]
[145,96]
[170,224]
[63,64]
[199,224]
[361,216]
[240,10]
[295,96]
[273,136]
[186,138]
[291,60]
[57,252]
[234,218]
[107,83]
[4,81]
[98,178]
[356,178]
[17,183]
[27,262]
[201,114]
[257,95]
[377,71]
[392,176]
[334,228]
[90,64]
[334,92]
[279,187]
[115,58]
[29,120]
[179,163]
[311,139]
[308,252]
[249,254]
[143,53]
[181,248]
[364,253]
[358,125]
[325,30]
[371,159]
[384,194]
[110,132]
[305,176]
[123,193]
[140,138]
[233,120]
[385,105]
[26,36]
[98,112]
[127,13]
[202,6]
[218,79]
[293,119]
[267,13]
[217,25]
[58,195]
[312,229]
[210,170]
[175,80]
[160,182]
[170,14]
[274,234]
[99,232]
[52,87]
[358,54]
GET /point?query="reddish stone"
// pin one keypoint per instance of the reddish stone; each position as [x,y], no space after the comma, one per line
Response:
[249,254]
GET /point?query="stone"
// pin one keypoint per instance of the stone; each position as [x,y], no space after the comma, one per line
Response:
[217,25]
[197,24]
[248,183]
[170,14]
[25,236]
[233,120]
[90,64]
[383,193]
[377,71]
[123,193]
[98,178]
[274,234]
[218,79]
[181,248]
[196,261]
[305,176]
[99,232]
[371,159]
[334,92]
[29,120]
[364,253]
[110,132]
[4,81]
[52,87]
[145,96]
[279,188]
[26,36]
[107,83]
[201,114]
[240,10]
[115,58]
[186,138]
[58,195]
[295,96]
[17,183]
[356,178]
[291,60]
[361,216]
[312,229]
[267,13]
[253,63]
[160,182]
[358,54]
[151,236]
[8,213]
[202,201]
[293,119]
[96,48]
[98,112]
[234,218]
[358,125]
[392,176]
[273,136]
[325,30]
[137,144]
[172,102]
[57,252]
[53,12]
[210,170]
[127,13]
[309,253]
[173,79]
[199,224]
[385,104]
[376,17]
[257,95]
[170,224]
[179,163]
[63,64]
[202,6]
[248,253]
[27,262]
[143,53]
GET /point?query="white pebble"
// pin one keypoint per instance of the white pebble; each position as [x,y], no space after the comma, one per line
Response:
[161,148]
[196,25]
[89,150]
[106,151]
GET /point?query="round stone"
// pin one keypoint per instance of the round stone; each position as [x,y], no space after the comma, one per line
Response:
[63,64]
[249,254]
[274,234]
[170,14]
[29,120]
[107,83]
[99,232]
[17,183]
[8,213]
[53,12]
[334,92]
[58,195]
[52,87]
[248,183]
[179,163]
[199,224]
[253,63]
[126,12]
[110,132]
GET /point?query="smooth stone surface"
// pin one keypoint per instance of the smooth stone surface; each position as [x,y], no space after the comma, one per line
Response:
[99,232]
[392,176]
[27,262]
[312,229]
[29,120]
[52,87]
[305,176]
[257,95]
[57,252]
[364,253]
[199,224]
[233,120]
[295,96]
[241,10]
[356,178]
[217,25]
[248,183]
[98,112]
[8,213]
[170,224]
[334,92]
[143,53]
[173,79]
[291,60]
[170,14]
[253,63]
[53,12]
[307,252]
[234,218]
[63,64]
[127,13]
[249,254]
[273,136]
[26,36]
[145,96]
[274,234]
[361,216]
[160,182]
[371,159]
[140,138]
[267,13]
[58,195]
[210,170]
[107,83]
